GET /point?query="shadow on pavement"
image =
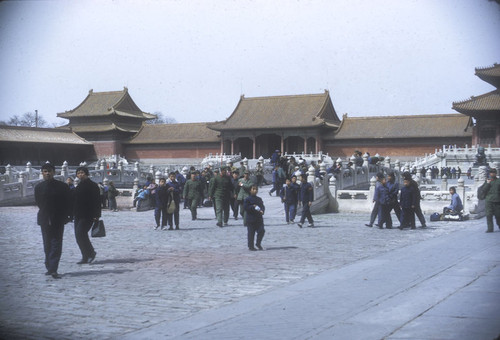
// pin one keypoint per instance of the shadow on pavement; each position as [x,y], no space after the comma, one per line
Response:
[96,272]
[281,248]
[129,260]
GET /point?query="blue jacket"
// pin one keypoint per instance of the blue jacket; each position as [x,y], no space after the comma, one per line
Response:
[306,193]
[290,194]
[407,198]
[382,194]
[393,192]
[253,215]
[456,203]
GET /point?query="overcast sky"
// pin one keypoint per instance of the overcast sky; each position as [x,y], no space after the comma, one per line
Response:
[191,60]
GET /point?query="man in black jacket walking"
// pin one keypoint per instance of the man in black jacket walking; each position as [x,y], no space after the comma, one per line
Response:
[53,199]
[87,211]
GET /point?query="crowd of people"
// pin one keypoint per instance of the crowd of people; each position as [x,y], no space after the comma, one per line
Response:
[230,191]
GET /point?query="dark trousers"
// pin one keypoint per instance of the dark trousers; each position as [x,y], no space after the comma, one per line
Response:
[397,210]
[384,215]
[234,206]
[222,208]
[420,215]
[492,209]
[82,228]
[52,236]
[193,206]
[408,217]
[159,216]
[290,211]
[306,213]
[252,229]
[174,217]
[374,214]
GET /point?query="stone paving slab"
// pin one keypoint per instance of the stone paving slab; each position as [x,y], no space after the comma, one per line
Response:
[142,277]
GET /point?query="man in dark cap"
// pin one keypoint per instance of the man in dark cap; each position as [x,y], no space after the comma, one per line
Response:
[53,199]
[220,192]
[492,200]
[87,211]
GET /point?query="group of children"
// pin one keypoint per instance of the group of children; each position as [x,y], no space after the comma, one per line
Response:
[386,200]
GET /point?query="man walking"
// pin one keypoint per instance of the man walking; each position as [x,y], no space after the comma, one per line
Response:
[53,199]
[306,198]
[221,191]
[87,211]
[492,200]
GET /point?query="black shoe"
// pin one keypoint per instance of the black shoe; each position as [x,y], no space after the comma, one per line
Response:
[92,258]
[300,225]
[55,275]
[260,247]
[400,227]
[252,249]
[219,225]
[170,228]
[176,227]
[489,231]
[388,227]
[48,273]
[413,227]
[82,261]
[369,225]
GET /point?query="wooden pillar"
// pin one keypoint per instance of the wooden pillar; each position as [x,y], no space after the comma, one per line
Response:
[305,144]
[282,144]
[232,146]
[254,146]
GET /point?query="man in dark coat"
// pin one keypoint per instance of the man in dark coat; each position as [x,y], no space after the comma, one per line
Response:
[87,211]
[53,199]
[306,198]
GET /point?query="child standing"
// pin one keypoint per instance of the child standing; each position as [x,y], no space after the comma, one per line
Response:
[289,197]
[254,207]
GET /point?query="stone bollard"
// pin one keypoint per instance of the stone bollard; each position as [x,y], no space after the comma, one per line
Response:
[461,192]
[23,179]
[444,183]
[428,175]
[64,170]
[8,172]
[152,169]
[136,186]
[158,176]
[310,174]
[29,170]
[397,164]
[371,193]
[387,161]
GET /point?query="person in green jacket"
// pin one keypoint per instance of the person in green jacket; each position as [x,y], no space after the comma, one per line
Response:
[245,184]
[220,192]
[192,190]
[492,200]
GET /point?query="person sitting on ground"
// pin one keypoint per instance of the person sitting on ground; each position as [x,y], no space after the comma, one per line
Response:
[456,205]
[142,195]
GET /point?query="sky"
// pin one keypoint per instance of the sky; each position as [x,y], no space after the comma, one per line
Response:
[192,60]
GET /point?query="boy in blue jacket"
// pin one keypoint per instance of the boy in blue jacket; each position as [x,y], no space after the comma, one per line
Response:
[385,207]
[289,197]
[254,208]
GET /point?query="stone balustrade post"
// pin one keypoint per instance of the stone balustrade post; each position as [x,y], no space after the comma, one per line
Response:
[152,169]
[444,183]
[65,170]
[387,161]
[365,160]
[29,170]
[419,172]
[322,169]
[121,170]
[428,174]
[311,174]
[397,164]
[136,185]
[23,179]
[158,176]
[8,172]
[461,192]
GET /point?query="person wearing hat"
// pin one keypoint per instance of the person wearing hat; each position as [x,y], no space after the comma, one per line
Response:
[244,184]
[220,192]
[492,200]
[416,192]
[87,210]
[393,187]
[53,199]
[191,192]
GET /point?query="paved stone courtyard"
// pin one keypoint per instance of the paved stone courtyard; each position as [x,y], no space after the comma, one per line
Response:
[142,277]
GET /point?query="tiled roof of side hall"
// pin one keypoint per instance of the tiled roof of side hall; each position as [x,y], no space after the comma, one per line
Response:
[490,74]
[105,104]
[174,134]
[281,112]
[410,126]
[486,102]
[20,134]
